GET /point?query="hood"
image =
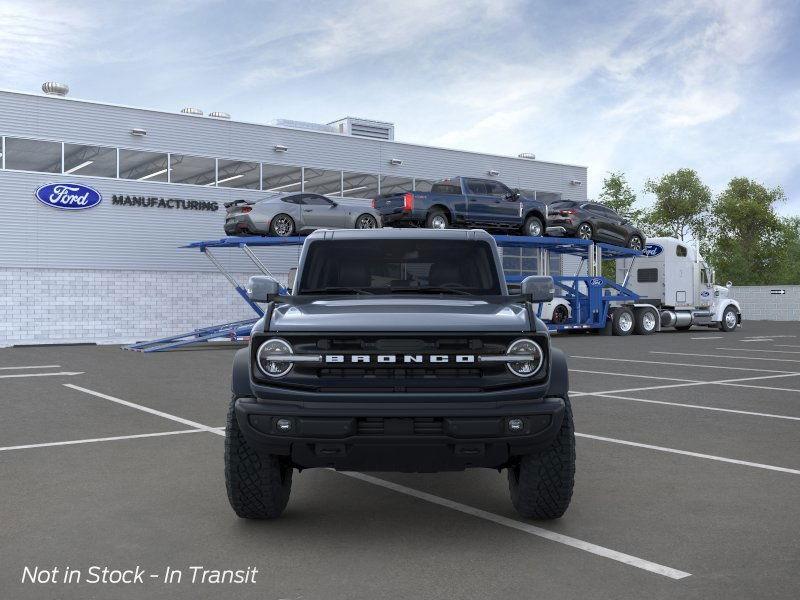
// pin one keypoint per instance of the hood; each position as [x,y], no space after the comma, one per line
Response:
[399,314]
[720,291]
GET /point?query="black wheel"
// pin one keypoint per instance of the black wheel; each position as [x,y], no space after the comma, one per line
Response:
[623,322]
[437,219]
[584,231]
[533,227]
[282,225]
[730,319]
[560,314]
[645,322]
[541,483]
[366,221]
[258,485]
[635,243]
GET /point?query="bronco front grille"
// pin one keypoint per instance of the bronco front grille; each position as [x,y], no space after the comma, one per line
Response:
[406,426]
[412,373]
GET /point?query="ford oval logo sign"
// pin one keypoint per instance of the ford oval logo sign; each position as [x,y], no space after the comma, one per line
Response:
[652,250]
[595,282]
[68,196]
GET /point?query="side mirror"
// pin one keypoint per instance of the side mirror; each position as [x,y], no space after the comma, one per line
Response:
[291,278]
[538,288]
[262,289]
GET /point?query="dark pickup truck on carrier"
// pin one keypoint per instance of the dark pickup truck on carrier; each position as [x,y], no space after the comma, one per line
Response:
[465,202]
[400,350]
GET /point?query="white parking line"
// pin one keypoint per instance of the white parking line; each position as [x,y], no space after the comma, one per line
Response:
[698,406]
[633,375]
[104,439]
[146,409]
[787,346]
[64,373]
[627,559]
[760,350]
[708,337]
[792,360]
[31,367]
[687,453]
[673,364]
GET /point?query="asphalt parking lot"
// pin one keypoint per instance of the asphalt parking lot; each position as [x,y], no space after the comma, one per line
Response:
[687,486]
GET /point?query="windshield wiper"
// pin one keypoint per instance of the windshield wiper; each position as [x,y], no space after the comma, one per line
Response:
[336,290]
[433,290]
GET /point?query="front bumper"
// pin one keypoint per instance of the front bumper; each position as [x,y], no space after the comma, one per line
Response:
[409,437]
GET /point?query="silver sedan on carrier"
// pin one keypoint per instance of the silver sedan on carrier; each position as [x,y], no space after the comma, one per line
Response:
[284,214]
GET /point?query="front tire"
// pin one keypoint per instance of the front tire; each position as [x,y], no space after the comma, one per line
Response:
[730,320]
[282,225]
[258,485]
[366,221]
[541,483]
[533,227]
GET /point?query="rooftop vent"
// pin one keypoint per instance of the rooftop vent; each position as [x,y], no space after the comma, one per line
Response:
[303,125]
[51,88]
[219,115]
[527,155]
[192,111]
[376,130]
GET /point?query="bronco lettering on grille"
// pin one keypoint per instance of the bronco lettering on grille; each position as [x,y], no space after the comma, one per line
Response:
[398,358]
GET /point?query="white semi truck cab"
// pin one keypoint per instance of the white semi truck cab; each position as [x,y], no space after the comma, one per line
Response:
[673,277]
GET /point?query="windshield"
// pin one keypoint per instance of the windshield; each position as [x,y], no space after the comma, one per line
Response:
[400,266]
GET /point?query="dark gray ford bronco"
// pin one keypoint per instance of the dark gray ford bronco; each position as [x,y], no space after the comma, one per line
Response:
[400,350]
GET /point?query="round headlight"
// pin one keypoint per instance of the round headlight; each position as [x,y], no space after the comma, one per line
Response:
[269,366]
[531,366]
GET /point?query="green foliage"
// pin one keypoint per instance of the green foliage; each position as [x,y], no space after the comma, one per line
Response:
[681,205]
[618,195]
[749,243]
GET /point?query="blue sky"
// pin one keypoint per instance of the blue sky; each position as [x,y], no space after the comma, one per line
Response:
[639,87]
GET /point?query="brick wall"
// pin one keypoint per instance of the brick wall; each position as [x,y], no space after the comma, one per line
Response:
[758,304]
[46,306]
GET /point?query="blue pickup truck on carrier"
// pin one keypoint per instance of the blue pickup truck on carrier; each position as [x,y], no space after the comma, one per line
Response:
[465,202]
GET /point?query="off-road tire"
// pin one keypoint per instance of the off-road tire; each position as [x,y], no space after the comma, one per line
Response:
[541,484]
[531,223]
[258,485]
[437,213]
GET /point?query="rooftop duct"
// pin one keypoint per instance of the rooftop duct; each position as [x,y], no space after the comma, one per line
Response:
[219,115]
[376,130]
[51,88]
[192,111]
[527,155]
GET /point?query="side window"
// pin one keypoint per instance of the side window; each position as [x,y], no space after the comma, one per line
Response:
[704,276]
[647,275]
[681,250]
[495,188]
[476,186]
[315,200]
[292,200]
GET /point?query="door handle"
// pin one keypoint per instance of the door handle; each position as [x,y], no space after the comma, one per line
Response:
[307,210]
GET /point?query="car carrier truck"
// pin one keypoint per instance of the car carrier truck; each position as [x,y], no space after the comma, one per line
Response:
[673,278]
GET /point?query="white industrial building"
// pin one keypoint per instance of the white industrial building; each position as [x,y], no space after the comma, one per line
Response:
[116,273]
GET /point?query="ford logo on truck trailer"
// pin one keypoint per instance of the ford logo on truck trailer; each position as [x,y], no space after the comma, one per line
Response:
[68,196]
[652,250]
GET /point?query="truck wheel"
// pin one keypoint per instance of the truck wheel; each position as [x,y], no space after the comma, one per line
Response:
[645,323]
[729,320]
[533,227]
[437,219]
[258,485]
[541,483]
[623,322]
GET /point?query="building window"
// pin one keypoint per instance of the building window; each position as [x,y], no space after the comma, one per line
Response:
[321,181]
[97,161]
[194,170]
[143,166]
[33,155]
[359,185]
[280,178]
[396,185]
[423,185]
[236,174]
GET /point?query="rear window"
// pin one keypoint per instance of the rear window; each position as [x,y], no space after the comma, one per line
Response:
[647,275]
[396,266]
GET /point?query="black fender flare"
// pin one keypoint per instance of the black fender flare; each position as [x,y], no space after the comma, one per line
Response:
[240,382]
[559,374]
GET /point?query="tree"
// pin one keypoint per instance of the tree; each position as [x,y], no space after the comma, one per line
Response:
[750,243]
[618,195]
[681,206]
